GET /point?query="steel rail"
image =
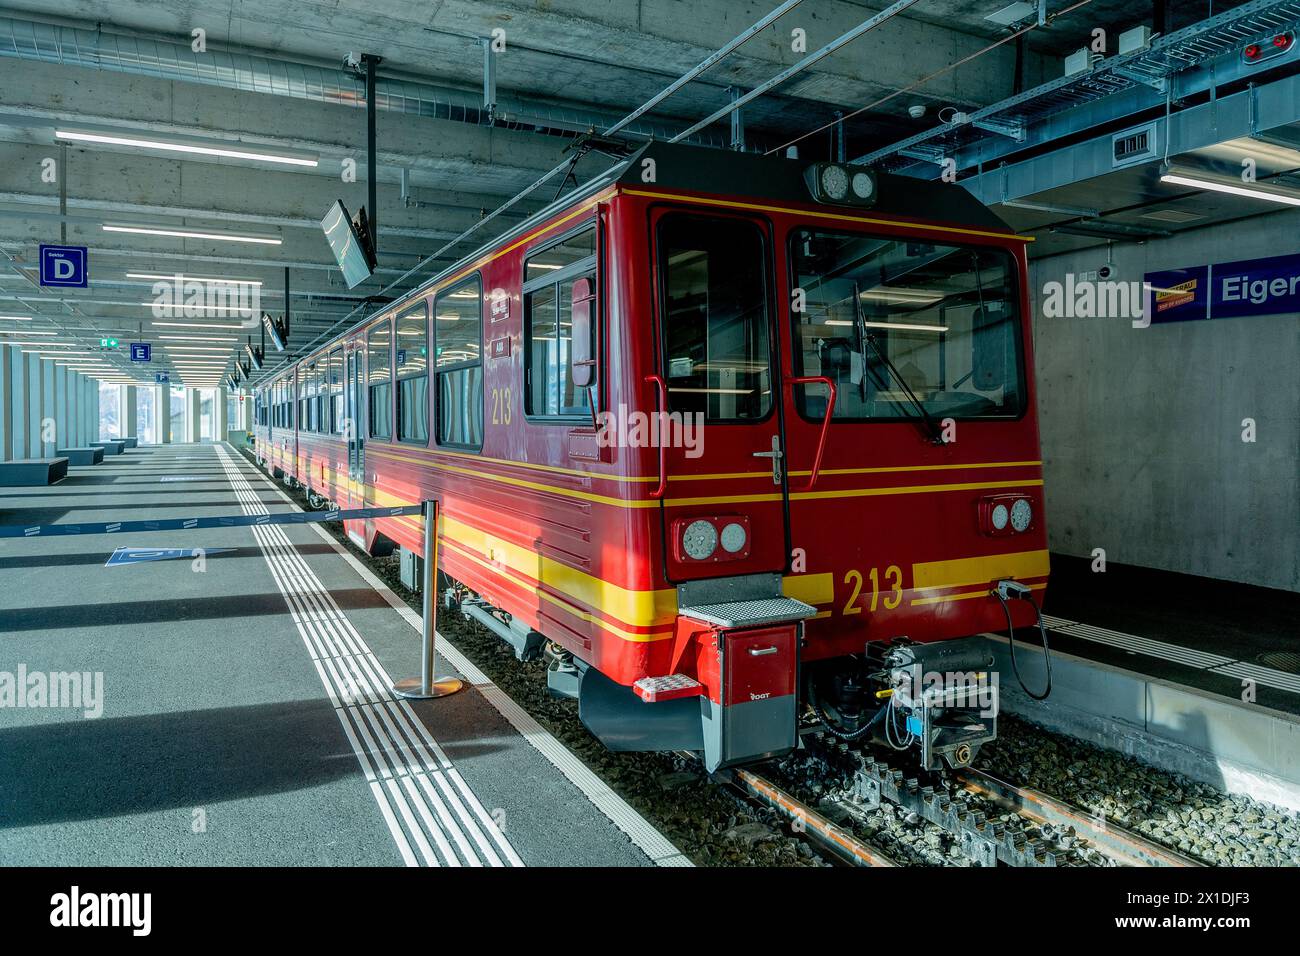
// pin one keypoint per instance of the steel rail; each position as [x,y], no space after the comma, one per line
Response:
[1123,845]
[835,839]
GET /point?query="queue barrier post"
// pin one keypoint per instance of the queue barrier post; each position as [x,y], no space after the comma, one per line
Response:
[427,686]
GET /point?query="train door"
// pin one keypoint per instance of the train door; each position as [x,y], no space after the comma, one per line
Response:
[723,468]
[353,425]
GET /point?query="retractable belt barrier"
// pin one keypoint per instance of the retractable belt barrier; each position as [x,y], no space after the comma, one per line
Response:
[222,521]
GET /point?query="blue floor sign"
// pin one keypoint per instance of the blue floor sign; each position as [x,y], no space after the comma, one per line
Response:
[141,555]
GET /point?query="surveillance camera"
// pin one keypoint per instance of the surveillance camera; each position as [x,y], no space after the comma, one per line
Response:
[1105,272]
[352,60]
[916,111]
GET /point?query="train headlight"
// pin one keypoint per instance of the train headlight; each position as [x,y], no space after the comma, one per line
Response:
[835,183]
[998,517]
[700,540]
[733,538]
[838,183]
[1021,514]
[864,186]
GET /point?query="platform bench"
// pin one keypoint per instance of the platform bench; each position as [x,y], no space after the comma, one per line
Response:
[131,442]
[33,471]
[113,446]
[82,456]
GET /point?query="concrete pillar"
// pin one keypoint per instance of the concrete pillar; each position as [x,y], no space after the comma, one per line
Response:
[128,406]
[191,414]
[219,414]
[88,411]
[29,395]
[48,420]
[60,409]
[164,403]
[6,406]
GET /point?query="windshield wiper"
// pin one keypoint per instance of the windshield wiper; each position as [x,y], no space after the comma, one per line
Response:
[931,426]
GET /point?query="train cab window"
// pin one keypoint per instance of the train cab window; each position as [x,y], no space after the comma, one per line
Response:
[412,364]
[550,276]
[715,317]
[379,379]
[458,349]
[335,399]
[897,323]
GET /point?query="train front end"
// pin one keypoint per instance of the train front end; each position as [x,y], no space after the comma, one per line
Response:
[847,485]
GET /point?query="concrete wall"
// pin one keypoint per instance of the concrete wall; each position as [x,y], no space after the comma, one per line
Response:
[1142,428]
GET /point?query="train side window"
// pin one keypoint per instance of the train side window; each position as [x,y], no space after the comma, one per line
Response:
[458,349]
[412,365]
[319,409]
[379,379]
[317,390]
[336,392]
[550,276]
[308,404]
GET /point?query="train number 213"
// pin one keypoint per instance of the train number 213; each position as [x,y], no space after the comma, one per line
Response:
[893,594]
[500,406]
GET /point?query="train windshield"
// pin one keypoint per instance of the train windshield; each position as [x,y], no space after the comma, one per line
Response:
[902,326]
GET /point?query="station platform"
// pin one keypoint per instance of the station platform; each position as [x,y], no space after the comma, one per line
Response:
[243,716]
[1220,637]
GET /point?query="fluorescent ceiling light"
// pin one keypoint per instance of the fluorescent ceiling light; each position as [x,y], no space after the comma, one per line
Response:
[178,349]
[15,318]
[901,295]
[198,338]
[25,332]
[901,326]
[191,234]
[217,280]
[1219,187]
[182,147]
[196,325]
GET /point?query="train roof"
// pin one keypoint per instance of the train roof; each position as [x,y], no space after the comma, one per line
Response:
[724,172]
[753,175]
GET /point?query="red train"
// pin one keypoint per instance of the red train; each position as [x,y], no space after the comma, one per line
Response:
[736,442]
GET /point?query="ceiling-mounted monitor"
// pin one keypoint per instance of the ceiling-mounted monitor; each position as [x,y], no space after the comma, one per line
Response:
[351,243]
[276,331]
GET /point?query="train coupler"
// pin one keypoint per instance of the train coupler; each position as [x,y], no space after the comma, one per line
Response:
[944,700]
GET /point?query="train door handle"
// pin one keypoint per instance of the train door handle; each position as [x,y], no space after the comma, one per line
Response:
[776,455]
[762,651]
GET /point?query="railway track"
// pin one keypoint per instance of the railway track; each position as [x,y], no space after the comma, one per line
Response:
[992,821]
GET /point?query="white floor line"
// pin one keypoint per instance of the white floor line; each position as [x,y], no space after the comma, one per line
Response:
[638,829]
[396,764]
[1200,660]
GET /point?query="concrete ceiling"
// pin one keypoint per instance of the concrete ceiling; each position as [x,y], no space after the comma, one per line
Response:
[579,58]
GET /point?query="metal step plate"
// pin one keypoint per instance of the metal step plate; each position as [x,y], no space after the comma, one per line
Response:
[777,610]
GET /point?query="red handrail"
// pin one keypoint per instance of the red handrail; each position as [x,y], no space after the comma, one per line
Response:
[826,420]
[661,404]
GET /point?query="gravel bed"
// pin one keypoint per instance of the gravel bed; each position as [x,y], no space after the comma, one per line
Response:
[1217,828]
